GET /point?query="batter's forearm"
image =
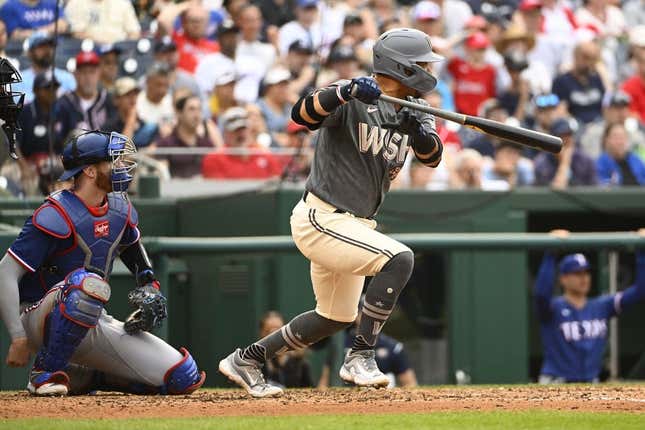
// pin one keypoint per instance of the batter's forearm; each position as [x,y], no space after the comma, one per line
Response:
[311,110]
[10,274]
[428,148]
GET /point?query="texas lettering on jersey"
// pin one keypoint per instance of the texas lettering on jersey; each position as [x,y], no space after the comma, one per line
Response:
[587,329]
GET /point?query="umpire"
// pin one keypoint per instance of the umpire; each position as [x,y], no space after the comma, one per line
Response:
[361,145]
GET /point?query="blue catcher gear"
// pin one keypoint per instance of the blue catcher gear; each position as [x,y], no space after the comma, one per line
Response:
[83,296]
[96,146]
[184,377]
[396,54]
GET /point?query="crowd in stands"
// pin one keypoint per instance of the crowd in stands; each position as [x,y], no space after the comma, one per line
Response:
[206,86]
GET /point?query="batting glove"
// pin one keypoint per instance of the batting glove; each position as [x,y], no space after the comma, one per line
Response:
[364,89]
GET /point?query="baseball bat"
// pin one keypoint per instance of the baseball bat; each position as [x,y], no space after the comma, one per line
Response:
[523,136]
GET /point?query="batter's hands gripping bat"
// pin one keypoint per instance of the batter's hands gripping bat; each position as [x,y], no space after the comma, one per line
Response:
[523,136]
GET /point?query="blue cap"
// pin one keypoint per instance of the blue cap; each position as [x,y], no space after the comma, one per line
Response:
[38,39]
[546,100]
[307,3]
[562,126]
[573,263]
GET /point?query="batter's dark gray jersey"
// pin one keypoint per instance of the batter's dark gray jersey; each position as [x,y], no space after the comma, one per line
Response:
[356,158]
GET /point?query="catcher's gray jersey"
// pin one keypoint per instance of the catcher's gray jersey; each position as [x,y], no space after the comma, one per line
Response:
[356,158]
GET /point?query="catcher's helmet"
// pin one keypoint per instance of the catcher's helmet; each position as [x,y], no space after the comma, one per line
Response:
[396,54]
[95,146]
[11,102]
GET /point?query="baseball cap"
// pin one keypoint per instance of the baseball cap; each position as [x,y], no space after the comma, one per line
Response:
[38,39]
[165,44]
[562,126]
[546,101]
[227,26]
[45,80]
[526,5]
[637,36]
[477,40]
[293,127]
[306,4]
[426,10]
[573,263]
[109,48]
[301,46]
[619,98]
[276,75]
[89,58]
[234,118]
[352,18]
[225,78]
[342,53]
[125,85]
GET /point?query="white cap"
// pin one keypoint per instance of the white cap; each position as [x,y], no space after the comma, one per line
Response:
[225,78]
[276,75]
[637,36]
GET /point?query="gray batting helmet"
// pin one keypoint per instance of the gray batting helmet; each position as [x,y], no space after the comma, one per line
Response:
[396,54]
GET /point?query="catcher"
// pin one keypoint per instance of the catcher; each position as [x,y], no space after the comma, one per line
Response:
[361,145]
[54,285]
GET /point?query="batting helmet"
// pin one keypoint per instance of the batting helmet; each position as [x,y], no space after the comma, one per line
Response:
[95,146]
[396,54]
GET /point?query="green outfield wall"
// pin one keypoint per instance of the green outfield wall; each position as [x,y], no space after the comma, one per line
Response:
[476,303]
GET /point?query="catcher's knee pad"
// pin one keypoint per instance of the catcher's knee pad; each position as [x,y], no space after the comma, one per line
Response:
[84,295]
[184,377]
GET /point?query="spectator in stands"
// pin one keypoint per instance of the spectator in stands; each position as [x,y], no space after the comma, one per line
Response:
[355,31]
[571,167]
[250,44]
[581,89]
[484,143]
[448,136]
[616,110]
[26,17]
[574,327]
[467,170]
[426,16]
[229,163]
[108,65]
[303,71]
[298,165]
[635,85]
[103,21]
[127,121]
[89,107]
[276,104]
[154,105]
[290,370]
[618,165]
[547,108]
[473,79]
[191,40]
[41,55]
[166,52]
[186,134]
[3,45]
[223,96]
[305,27]
[213,65]
[257,126]
[342,63]
[455,15]
[634,11]
[516,98]
[508,169]
[35,119]
[277,13]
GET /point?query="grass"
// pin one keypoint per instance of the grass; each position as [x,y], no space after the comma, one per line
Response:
[538,420]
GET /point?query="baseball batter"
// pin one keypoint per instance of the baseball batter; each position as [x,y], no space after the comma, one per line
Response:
[361,145]
[54,285]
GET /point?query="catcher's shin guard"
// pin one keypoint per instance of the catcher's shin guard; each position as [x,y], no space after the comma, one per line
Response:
[84,295]
[184,377]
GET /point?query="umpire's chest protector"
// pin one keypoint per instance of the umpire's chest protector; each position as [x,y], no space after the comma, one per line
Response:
[96,234]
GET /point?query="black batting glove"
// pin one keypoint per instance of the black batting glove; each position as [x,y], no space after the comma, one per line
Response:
[364,89]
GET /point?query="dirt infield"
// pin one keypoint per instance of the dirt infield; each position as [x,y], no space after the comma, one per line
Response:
[616,398]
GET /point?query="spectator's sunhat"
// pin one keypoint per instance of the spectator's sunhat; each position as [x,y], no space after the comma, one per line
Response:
[514,33]
[426,11]
[544,101]
[342,53]
[45,80]
[109,48]
[301,47]
[477,40]
[39,39]
[308,4]
[226,27]
[637,36]
[125,85]
[87,58]
[234,118]
[276,76]
[563,127]
[165,44]
[573,263]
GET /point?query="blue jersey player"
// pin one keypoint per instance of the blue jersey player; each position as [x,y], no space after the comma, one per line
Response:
[573,326]
[54,285]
